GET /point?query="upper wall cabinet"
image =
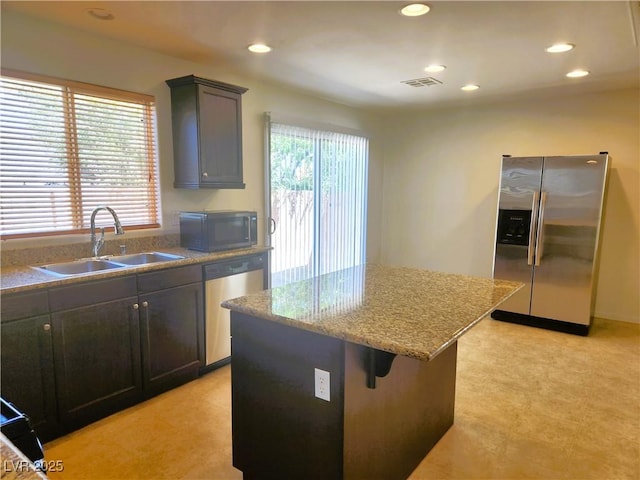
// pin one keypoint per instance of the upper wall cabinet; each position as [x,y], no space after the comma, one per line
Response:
[207,133]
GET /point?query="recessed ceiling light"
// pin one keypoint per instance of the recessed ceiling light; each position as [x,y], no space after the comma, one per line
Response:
[470,88]
[415,10]
[100,14]
[434,68]
[560,47]
[259,48]
[577,73]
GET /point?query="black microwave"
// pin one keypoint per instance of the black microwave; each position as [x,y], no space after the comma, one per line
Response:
[217,230]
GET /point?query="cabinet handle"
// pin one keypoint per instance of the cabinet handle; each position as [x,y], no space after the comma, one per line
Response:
[145,304]
[136,306]
[205,174]
[46,327]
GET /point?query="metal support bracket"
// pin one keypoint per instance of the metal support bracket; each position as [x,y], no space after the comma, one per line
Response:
[378,365]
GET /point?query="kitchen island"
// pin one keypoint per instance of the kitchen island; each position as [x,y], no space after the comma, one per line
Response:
[350,374]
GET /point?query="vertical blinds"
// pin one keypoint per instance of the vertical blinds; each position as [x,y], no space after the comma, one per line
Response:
[67,148]
[318,201]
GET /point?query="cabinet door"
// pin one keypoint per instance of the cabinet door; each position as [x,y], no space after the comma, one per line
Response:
[27,372]
[220,133]
[97,360]
[172,321]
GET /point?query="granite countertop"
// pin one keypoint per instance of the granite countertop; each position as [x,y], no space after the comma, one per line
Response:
[406,311]
[22,278]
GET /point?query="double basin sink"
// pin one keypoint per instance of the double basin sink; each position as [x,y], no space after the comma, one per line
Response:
[91,265]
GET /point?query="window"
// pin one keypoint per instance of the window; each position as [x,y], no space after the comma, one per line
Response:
[67,148]
[318,198]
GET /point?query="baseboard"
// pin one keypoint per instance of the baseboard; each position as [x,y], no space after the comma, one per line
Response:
[215,366]
[618,318]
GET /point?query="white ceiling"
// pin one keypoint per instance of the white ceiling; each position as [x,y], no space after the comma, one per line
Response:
[359,52]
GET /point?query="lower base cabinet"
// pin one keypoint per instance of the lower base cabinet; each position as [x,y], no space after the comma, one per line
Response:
[76,353]
[102,346]
[172,326]
[96,336]
[26,360]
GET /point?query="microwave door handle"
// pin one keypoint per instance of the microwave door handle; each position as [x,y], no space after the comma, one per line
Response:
[247,218]
[540,233]
[532,226]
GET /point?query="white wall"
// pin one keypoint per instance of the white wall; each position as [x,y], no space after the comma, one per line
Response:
[432,202]
[80,56]
[441,173]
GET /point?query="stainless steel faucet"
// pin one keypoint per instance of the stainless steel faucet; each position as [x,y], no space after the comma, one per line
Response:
[97,243]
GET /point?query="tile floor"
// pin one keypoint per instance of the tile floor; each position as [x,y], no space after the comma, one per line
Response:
[530,403]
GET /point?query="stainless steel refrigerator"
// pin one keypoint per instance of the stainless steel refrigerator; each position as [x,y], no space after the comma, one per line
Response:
[547,235]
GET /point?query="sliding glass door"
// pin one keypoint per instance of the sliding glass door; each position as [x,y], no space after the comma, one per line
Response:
[317,197]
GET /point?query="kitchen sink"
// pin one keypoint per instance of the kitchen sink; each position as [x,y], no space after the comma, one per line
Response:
[78,267]
[91,265]
[144,258]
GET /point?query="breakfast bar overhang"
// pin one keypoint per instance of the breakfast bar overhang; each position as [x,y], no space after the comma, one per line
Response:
[386,337]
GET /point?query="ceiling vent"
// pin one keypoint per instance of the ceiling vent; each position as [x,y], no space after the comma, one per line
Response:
[422,82]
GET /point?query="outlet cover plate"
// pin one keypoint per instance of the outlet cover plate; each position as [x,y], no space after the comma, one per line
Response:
[322,384]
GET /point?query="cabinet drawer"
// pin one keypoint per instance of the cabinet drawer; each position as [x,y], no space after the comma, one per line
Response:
[83,294]
[173,277]
[23,305]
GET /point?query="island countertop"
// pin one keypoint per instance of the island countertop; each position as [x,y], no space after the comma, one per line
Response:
[405,311]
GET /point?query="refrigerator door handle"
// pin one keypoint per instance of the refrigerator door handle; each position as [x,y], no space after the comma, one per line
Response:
[539,233]
[532,226]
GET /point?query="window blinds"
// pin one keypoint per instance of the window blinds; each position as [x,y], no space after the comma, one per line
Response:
[67,148]
[318,201]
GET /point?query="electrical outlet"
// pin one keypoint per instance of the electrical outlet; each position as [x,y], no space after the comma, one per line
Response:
[323,389]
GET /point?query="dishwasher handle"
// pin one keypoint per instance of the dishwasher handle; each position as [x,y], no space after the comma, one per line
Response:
[232,267]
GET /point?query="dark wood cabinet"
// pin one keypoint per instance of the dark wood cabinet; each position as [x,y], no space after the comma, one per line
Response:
[96,337]
[171,316]
[75,353]
[207,133]
[361,433]
[27,360]
[122,340]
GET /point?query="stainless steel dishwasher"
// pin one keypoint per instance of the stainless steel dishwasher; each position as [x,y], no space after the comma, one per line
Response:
[224,280]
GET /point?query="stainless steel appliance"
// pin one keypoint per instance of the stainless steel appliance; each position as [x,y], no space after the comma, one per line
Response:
[217,230]
[224,280]
[548,227]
